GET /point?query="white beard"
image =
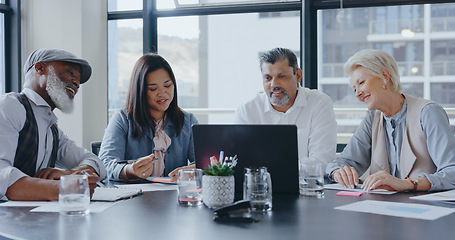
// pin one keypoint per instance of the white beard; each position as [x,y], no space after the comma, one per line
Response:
[57,91]
[278,101]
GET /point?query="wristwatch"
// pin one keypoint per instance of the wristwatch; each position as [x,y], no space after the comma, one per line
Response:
[414,181]
[331,175]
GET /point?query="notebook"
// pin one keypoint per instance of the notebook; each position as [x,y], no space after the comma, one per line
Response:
[272,146]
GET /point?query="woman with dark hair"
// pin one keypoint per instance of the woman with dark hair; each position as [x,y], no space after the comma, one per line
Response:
[151,136]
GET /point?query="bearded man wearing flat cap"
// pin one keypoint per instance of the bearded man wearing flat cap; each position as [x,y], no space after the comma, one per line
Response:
[34,152]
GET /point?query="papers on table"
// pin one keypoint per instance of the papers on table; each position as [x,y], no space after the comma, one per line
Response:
[148,187]
[95,207]
[447,196]
[337,186]
[409,210]
[167,180]
[113,194]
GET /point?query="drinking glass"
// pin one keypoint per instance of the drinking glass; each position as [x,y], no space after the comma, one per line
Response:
[189,183]
[257,187]
[74,195]
[311,179]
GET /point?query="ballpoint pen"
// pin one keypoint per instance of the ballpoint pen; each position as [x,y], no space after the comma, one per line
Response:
[126,161]
[99,183]
[132,161]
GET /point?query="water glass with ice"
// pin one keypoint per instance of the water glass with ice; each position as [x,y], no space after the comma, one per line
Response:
[189,184]
[74,195]
[311,179]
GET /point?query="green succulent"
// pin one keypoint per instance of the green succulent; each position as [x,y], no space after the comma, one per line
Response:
[218,170]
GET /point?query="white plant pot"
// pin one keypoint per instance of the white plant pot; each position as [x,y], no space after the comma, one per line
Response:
[217,191]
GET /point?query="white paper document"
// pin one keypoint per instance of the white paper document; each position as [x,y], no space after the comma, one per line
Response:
[447,196]
[53,206]
[149,187]
[110,194]
[337,186]
[407,210]
[95,207]
[23,204]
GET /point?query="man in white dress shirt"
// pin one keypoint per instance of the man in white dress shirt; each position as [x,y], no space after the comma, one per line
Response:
[284,101]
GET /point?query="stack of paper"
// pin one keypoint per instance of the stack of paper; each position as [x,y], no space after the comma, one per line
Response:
[114,194]
[447,196]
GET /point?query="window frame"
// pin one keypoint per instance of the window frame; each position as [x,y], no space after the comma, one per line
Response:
[308,13]
[150,15]
[310,27]
[11,11]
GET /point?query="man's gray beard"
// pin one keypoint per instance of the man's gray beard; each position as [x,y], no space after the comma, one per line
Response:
[57,91]
[278,101]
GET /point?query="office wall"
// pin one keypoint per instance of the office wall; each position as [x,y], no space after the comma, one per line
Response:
[78,26]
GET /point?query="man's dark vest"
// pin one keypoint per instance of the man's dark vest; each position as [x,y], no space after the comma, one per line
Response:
[27,146]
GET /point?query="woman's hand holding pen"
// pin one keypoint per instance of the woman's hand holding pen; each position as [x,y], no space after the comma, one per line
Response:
[141,168]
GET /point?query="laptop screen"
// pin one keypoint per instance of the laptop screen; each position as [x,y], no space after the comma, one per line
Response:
[272,146]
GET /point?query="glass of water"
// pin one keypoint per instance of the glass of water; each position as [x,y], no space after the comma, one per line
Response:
[311,179]
[257,187]
[189,184]
[74,195]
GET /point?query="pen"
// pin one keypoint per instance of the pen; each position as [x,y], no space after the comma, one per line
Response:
[126,161]
[99,184]
[132,161]
[221,157]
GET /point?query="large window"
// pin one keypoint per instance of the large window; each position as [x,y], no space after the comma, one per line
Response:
[216,62]
[214,53]
[421,38]
[124,48]
[214,45]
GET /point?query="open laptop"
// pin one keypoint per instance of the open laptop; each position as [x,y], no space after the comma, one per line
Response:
[272,146]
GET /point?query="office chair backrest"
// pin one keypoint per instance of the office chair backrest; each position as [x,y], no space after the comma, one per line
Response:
[340,147]
[96,145]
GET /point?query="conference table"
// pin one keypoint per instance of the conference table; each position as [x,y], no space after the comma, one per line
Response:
[157,215]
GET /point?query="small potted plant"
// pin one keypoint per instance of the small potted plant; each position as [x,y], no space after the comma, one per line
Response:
[218,182]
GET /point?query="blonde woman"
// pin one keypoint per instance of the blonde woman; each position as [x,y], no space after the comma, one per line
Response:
[407,141]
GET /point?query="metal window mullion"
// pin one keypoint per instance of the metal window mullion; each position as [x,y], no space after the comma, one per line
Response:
[12,47]
[4,8]
[241,8]
[310,43]
[334,4]
[120,15]
[244,8]
[427,52]
[150,26]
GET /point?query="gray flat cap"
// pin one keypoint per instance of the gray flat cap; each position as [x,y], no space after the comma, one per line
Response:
[57,55]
